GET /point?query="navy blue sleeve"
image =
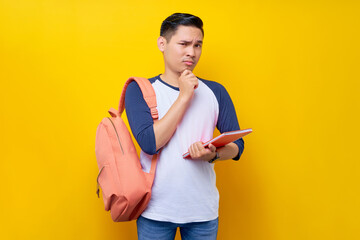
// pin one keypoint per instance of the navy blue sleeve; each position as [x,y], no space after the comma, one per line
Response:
[227,119]
[140,120]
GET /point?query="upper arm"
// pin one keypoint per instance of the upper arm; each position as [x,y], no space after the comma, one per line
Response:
[139,117]
[227,119]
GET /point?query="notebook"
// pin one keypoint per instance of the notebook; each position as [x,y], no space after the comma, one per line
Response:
[225,138]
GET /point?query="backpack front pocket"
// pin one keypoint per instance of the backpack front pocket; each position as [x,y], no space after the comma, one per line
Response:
[105,181]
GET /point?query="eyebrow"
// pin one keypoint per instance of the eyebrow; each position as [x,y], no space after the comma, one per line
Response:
[199,41]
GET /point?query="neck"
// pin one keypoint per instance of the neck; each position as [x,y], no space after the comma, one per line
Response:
[171,78]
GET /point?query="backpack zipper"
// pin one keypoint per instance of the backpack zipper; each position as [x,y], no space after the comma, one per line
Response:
[116,135]
[97,181]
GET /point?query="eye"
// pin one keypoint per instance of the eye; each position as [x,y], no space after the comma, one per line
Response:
[198,45]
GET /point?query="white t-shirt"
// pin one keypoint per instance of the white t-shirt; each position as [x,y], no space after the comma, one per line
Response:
[184,190]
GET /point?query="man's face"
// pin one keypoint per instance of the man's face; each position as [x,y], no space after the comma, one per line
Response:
[183,50]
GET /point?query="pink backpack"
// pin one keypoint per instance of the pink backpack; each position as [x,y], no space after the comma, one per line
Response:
[126,188]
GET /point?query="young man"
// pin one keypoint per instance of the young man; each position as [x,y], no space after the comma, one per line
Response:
[184,193]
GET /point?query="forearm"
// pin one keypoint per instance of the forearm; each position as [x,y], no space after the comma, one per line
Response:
[166,126]
[229,151]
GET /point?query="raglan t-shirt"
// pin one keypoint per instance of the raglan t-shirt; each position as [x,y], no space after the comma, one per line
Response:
[184,190]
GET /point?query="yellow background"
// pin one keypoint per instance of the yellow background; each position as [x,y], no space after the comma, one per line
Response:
[291,68]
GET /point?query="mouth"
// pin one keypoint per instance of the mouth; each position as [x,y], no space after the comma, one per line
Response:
[189,63]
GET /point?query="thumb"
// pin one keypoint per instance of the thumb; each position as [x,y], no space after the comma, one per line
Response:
[212,147]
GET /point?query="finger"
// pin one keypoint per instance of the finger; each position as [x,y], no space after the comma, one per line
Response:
[195,149]
[200,146]
[196,84]
[193,80]
[192,150]
[212,148]
[185,72]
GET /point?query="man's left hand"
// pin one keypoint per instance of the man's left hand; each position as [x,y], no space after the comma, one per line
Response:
[199,152]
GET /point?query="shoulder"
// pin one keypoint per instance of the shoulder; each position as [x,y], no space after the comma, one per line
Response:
[133,85]
[217,88]
[133,94]
[134,89]
[211,84]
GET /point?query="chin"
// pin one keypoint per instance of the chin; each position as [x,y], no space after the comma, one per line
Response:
[190,67]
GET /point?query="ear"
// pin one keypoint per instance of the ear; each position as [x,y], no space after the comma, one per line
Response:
[161,42]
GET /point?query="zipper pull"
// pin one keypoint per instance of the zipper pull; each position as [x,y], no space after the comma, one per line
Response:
[97,182]
[98,190]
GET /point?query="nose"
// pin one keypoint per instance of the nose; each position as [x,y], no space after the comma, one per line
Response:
[190,51]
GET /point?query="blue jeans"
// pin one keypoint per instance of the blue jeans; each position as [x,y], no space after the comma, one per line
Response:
[148,229]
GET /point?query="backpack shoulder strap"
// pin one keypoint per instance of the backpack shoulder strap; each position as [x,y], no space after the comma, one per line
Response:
[150,98]
[147,91]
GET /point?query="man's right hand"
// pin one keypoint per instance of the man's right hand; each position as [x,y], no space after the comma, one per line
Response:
[188,82]
[166,126]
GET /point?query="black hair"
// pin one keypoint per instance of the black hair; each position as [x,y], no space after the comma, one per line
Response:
[171,24]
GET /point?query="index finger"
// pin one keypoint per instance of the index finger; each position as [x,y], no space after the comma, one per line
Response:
[185,72]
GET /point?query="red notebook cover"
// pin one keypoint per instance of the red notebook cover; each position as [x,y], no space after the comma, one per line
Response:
[225,138]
